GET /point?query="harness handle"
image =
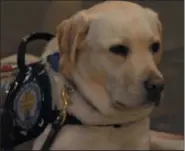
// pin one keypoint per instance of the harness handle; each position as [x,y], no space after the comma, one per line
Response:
[22,47]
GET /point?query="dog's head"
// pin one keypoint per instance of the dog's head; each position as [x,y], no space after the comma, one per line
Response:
[115,48]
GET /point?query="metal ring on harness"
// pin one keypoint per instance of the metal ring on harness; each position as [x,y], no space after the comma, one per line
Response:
[27,108]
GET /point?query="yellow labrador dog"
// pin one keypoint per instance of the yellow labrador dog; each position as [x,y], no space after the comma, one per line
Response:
[110,52]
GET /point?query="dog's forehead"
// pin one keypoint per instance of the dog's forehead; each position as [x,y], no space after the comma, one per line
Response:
[113,26]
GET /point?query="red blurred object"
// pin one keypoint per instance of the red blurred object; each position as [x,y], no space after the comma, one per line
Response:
[7,67]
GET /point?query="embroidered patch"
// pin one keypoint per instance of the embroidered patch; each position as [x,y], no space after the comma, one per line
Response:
[27,105]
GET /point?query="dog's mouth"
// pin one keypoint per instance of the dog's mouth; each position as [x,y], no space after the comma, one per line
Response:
[150,100]
[119,104]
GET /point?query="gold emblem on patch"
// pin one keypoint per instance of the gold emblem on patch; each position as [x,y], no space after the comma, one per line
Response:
[27,102]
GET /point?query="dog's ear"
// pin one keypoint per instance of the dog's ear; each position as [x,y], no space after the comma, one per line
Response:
[70,34]
[155,17]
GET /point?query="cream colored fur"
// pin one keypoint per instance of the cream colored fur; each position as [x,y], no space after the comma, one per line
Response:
[102,78]
[84,41]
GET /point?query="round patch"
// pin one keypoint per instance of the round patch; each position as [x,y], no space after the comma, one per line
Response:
[27,105]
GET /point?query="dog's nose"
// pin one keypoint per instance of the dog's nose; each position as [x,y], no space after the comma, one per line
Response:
[154,89]
[154,86]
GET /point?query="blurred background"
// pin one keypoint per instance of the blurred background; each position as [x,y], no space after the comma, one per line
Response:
[18,18]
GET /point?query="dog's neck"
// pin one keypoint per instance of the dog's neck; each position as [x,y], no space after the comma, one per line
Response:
[85,94]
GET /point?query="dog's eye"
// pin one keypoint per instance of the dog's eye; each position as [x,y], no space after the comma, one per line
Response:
[119,49]
[155,47]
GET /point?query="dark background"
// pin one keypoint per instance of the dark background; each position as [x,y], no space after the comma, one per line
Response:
[19,18]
